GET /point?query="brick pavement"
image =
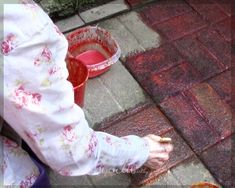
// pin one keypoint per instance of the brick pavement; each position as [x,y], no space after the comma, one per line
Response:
[194,89]
[179,53]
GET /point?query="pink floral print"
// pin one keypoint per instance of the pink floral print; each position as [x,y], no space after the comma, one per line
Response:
[28,181]
[44,56]
[23,98]
[13,155]
[65,172]
[8,44]
[30,136]
[100,166]
[53,70]
[29,4]
[57,30]
[92,145]
[108,140]
[130,168]
[10,144]
[69,133]
[3,166]
[127,140]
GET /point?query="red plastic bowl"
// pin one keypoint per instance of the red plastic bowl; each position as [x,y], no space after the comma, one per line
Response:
[78,75]
[95,47]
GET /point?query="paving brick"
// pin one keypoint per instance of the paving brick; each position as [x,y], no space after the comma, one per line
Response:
[135,3]
[219,160]
[123,87]
[70,23]
[198,57]
[224,28]
[111,179]
[147,37]
[99,102]
[171,81]
[216,45]
[225,5]
[157,59]
[57,180]
[233,53]
[222,85]
[147,121]
[215,111]
[192,171]
[208,10]
[125,39]
[103,11]
[180,25]
[232,101]
[164,10]
[191,125]
[180,153]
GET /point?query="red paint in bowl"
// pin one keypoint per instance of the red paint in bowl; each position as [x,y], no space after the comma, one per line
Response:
[95,47]
[91,58]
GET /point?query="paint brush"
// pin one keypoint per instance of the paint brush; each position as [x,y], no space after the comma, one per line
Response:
[165,140]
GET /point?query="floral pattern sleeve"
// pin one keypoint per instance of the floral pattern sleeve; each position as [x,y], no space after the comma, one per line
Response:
[13,174]
[41,100]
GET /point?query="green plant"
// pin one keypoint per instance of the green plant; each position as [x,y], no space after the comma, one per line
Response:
[62,8]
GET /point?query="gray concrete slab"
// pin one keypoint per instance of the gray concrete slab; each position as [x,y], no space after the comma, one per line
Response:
[70,23]
[99,102]
[192,171]
[113,92]
[124,37]
[111,179]
[166,180]
[123,86]
[103,11]
[144,34]
[57,180]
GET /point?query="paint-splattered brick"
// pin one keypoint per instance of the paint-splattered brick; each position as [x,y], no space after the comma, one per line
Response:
[181,25]
[134,3]
[216,112]
[225,5]
[225,28]
[147,121]
[198,57]
[164,10]
[222,85]
[233,53]
[208,10]
[192,126]
[216,45]
[180,153]
[154,60]
[219,160]
[171,81]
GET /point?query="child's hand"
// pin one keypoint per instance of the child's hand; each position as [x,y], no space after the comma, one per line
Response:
[159,150]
